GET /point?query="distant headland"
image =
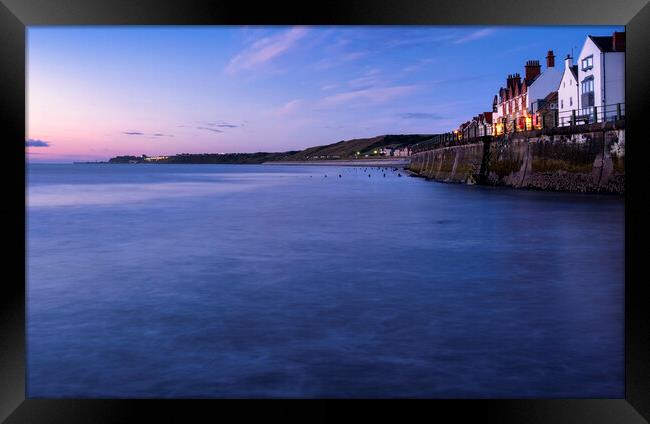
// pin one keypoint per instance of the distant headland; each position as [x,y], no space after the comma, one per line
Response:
[375,148]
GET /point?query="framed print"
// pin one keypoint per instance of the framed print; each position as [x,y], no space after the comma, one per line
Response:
[425,208]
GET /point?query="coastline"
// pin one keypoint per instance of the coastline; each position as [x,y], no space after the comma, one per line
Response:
[362,162]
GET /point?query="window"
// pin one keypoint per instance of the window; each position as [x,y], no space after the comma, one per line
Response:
[587,99]
[562,103]
[587,63]
[564,85]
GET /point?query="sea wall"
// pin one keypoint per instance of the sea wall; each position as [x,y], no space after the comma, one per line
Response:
[450,164]
[589,160]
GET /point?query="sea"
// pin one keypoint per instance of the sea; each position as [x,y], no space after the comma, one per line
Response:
[289,281]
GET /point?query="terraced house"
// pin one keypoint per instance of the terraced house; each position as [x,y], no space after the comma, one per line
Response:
[568,93]
[516,103]
[601,75]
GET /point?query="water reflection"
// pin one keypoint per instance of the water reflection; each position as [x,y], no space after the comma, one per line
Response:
[274,281]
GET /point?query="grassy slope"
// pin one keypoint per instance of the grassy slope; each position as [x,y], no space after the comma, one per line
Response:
[344,149]
[347,148]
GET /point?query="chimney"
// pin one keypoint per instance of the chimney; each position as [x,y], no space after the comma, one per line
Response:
[532,69]
[568,62]
[618,41]
[550,59]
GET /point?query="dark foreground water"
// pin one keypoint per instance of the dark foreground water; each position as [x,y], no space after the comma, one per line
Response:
[274,281]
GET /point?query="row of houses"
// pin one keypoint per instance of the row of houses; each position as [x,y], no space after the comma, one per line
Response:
[591,90]
[154,158]
[395,151]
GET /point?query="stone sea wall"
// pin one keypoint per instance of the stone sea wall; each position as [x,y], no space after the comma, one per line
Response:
[591,160]
[450,164]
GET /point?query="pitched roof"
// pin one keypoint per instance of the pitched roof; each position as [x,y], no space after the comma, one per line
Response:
[531,80]
[574,71]
[487,116]
[604,43]
[552,97]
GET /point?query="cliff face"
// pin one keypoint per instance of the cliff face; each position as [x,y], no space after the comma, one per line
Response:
[589,161]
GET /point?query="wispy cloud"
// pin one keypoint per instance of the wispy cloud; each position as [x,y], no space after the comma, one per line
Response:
[419,65]
[369,95]
[152,135]
[465,79]
[31,142]
[220,124]
[288,108]
[369,79]
[265,50]
[209,129]
[420,115]
[415,40]
[337,60]
[475,35]
[520,48]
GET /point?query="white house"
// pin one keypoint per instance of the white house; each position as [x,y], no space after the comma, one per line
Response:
[403,152]
[567,93]
[155,158]
[545,83]
[485,124]
[601,74]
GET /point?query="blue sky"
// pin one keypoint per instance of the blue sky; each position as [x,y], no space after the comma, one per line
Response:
[96,92]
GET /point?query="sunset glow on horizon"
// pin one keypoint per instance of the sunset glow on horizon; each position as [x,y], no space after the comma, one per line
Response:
[98,92]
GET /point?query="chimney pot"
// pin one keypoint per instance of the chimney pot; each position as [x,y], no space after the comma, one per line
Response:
[550,59]
[532,69]
[568,62]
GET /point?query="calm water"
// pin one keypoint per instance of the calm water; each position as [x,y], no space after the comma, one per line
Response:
[274,281]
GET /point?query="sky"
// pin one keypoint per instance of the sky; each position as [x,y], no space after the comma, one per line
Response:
[98,92]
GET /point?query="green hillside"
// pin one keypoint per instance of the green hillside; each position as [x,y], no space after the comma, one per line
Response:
[346,149]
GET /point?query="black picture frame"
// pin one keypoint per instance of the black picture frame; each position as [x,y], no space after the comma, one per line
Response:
[16,15]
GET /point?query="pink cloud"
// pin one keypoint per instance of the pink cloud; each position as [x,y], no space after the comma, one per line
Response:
[265,50]
[289,108]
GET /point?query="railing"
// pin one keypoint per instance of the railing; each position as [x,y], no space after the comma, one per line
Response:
[435,141]
[554,118]
[590,115]
[551,119]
